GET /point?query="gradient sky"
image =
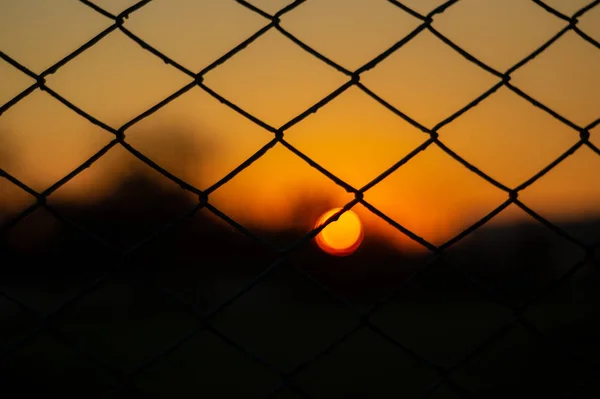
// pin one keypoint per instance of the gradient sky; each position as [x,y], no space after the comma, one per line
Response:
[201,140]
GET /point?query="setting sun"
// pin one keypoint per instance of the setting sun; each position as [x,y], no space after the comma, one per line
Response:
[341,237]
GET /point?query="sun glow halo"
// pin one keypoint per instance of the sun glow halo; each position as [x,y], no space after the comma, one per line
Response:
[341,237]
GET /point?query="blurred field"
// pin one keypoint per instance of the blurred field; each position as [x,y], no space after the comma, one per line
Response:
[159,294]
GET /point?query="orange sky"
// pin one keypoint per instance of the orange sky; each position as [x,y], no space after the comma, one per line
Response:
[201,140]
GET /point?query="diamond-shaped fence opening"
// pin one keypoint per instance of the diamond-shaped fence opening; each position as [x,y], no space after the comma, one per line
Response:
[170,289]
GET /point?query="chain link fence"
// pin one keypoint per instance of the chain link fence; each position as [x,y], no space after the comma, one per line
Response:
[287,385]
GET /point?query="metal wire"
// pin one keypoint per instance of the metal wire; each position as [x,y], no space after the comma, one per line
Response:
[431,138]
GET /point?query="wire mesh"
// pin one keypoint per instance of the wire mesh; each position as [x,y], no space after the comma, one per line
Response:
[120,257]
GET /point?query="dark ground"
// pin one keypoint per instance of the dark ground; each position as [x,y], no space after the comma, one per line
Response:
[159,294]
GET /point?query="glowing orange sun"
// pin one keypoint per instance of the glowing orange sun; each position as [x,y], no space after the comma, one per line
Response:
[341,237]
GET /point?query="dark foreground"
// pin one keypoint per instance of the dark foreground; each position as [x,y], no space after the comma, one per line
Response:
[509,312]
